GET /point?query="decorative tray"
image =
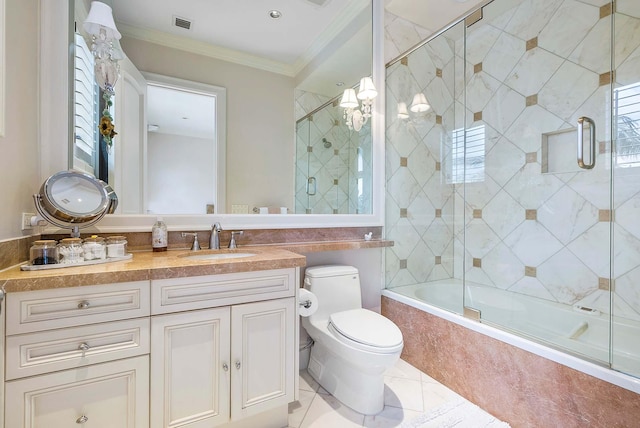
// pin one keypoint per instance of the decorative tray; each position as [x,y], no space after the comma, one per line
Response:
[68,265]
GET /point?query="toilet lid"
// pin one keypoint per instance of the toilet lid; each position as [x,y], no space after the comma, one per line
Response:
[367,327]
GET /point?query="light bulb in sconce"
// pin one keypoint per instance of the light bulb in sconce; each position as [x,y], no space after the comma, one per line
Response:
[354,118]
[419,104]
[403,113]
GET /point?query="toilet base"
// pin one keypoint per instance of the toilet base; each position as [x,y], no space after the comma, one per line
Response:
[361,389]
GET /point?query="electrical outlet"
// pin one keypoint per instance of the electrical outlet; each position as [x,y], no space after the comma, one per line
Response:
[26,221]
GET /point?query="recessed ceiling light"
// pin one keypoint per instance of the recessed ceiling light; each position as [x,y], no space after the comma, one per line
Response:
[275,14]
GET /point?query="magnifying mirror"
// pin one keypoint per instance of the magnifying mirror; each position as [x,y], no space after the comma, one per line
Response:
[71,199]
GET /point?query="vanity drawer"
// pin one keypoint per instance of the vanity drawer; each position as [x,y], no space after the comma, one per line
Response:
[199,292]
[30,311]
[48,351]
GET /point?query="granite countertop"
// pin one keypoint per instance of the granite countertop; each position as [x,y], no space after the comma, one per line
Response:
[147,265]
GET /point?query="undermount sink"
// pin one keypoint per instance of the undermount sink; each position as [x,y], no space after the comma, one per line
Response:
[218,256]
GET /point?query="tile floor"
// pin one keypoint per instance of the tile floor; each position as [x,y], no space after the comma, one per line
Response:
[408,393]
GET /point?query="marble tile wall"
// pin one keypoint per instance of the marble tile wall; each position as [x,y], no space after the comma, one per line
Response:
[328,151]
[529,68]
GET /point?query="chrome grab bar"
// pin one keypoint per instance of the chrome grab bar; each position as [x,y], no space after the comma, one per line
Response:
[592,143]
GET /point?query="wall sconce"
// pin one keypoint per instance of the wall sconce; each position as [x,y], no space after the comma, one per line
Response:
[418,105]
[107,52]
[105,46]
[403,113]
[354,118]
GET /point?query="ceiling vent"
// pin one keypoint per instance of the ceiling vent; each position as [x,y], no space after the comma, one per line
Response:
[182,22]
[319,2]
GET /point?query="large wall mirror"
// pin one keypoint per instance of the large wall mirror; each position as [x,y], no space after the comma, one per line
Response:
[283,140]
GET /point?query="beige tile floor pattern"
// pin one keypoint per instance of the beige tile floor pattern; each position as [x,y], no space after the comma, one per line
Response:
[408,393]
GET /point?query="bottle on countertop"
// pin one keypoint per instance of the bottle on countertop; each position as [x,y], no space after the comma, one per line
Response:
[159,235]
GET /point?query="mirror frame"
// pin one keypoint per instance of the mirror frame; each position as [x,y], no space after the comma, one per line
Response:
[56,63]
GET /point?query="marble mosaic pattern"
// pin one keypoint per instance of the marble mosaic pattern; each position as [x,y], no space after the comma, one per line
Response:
[328,151]
[529,68]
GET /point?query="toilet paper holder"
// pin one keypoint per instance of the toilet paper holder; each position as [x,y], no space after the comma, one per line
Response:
[305,304]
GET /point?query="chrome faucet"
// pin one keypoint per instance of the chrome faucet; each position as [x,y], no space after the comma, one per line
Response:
[214,240]
[196,244]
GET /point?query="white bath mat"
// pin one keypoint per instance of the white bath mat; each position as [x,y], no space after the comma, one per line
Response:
[459,414]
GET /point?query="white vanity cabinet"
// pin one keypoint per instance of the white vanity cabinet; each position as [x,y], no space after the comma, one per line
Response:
[200,351]
[211,367]
[78,356]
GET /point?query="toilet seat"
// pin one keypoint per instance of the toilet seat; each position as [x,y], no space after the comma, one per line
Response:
[366,330]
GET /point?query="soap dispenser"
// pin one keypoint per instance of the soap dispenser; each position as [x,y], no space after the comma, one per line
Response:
[159,237]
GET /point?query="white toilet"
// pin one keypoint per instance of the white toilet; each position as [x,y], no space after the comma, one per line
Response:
[352,346]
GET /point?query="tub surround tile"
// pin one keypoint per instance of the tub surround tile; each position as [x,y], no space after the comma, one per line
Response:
[529,71]
[567,215]
[533,71]
[420,262]
[531,287]
[532,243]
[480,89]
[604,284]
[502,266]
[530,125]
[503,56]
[503,214]
[514,385]
[568,27]
[567,278]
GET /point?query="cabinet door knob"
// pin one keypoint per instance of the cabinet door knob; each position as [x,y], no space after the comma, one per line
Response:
[238,365]
[82,419]
[83,305]
[225,367]
[84,347]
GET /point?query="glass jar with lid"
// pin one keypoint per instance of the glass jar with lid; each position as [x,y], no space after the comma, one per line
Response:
[70,250]
[116,246]
[44,252]
[94,248]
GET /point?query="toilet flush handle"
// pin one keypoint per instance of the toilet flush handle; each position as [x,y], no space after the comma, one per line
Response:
[307,281]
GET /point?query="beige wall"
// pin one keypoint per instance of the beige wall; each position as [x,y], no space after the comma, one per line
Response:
[260,129]
[19,170]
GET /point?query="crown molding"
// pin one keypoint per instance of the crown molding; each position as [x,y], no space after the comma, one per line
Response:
[205,49]
[346,16]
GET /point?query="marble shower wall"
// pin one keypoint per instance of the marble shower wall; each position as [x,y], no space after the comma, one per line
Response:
[335,156]
[527,220]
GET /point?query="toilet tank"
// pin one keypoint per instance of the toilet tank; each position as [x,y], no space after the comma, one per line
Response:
[336,287]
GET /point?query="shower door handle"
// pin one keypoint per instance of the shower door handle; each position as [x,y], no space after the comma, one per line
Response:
[592,143]
[312,186]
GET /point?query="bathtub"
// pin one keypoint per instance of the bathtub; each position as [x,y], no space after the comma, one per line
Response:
[574,336]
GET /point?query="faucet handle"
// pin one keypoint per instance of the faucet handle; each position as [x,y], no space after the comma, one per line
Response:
[232,243]
[196,244]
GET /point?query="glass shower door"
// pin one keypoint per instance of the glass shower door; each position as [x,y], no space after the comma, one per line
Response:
[625,355]
[537,158]
[303,127]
